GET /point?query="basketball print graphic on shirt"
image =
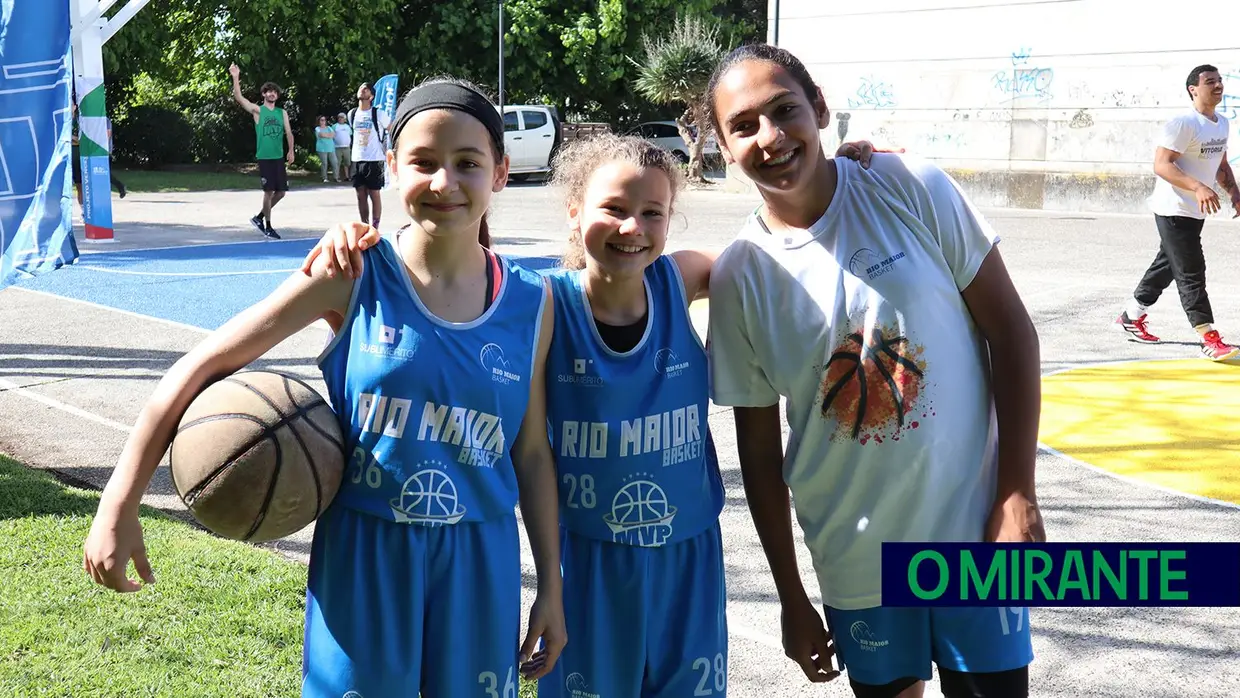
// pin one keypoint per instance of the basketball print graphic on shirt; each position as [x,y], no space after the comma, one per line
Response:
[640,513]
[872,385]
[428,497]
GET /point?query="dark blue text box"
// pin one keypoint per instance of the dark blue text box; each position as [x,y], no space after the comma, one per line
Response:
[1061,574]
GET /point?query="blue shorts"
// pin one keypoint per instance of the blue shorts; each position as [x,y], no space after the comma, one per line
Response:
[880,645]
[393,609]
[642,622]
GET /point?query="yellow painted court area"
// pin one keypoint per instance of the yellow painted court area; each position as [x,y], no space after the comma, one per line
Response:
[1175,424]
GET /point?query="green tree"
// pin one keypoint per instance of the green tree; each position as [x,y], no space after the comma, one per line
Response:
[576,55]
[676,70]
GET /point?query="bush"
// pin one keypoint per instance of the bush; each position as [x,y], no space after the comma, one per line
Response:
[153,136]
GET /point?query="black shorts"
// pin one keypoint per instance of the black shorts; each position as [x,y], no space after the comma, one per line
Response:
[273,174]
[368,174]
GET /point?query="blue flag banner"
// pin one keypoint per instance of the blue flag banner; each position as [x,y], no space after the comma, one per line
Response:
[36,231]
[385,102]
[1061,574]
[385,95]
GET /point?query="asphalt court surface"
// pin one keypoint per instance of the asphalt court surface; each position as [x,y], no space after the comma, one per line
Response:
[81,348]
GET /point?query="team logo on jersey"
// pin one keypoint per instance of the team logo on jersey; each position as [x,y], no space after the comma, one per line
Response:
[674,434]
[478,434]
[493,360]
[870,264]
[577,686]
[667,363]
[863,636]
[392,342]
[640,513]
[428,498]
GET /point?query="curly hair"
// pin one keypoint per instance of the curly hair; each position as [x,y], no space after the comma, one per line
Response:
[575,163]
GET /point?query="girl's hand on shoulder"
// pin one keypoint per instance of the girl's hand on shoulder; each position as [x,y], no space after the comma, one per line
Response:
[341,248]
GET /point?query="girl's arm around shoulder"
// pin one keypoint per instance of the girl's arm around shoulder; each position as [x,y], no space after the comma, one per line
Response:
[296,303]
[539,498]
[116,534]
[694,266]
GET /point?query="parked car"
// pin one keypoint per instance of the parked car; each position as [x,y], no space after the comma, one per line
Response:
[665,135]
[532,134]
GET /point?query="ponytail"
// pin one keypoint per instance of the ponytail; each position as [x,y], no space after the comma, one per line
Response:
[484,232]
[575,255]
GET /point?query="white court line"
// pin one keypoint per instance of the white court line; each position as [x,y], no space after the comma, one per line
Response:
[9,387]
[105,270]
[1126,478]
[97,306]
[201,244]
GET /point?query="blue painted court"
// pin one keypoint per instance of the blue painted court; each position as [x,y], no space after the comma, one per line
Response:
[202,285]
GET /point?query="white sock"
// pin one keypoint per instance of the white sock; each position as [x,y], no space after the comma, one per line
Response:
[1203,329]
[1135,309]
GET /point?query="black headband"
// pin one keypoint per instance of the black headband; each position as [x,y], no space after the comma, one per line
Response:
[446,95]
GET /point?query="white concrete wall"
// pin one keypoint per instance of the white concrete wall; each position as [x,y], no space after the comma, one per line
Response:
[1068,86]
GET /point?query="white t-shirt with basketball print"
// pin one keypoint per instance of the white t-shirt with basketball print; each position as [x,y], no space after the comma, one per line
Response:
[859,323]
[1202,144]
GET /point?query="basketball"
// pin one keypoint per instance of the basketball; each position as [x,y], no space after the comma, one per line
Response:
[257,456]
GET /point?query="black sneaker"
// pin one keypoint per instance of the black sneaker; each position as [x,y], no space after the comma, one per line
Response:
[270,234]
[257,222]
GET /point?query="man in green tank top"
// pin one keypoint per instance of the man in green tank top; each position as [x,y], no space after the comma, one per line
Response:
[272,129]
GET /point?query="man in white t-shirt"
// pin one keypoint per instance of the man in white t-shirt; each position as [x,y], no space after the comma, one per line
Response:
[344,146]
[370,125]
[1191,155]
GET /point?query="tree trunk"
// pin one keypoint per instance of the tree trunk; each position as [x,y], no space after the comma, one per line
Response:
[684,124]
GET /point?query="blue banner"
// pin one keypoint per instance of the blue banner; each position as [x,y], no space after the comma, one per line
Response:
[385,95]
[36,232]
[385,102]
[1061,574]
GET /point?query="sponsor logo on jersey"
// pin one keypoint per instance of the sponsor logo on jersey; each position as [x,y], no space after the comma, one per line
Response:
[392,342]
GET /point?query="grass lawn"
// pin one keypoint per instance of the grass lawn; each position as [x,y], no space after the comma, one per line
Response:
[225,619]
[206,180]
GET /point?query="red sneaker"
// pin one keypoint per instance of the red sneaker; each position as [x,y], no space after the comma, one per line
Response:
[1212,347]
[1138,329]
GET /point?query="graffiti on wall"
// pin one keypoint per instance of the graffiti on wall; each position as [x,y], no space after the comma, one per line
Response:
[1230,106]
[1024,79]
[872,93]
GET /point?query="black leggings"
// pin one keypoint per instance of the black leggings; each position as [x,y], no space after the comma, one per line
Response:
[955,684]
[1179,259]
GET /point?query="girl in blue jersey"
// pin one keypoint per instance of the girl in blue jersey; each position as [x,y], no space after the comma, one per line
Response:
[640,489]
[436,373]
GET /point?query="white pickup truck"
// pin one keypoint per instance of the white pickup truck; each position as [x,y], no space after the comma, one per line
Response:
[531,136]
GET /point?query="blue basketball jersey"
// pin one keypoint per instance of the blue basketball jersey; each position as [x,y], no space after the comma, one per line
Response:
[633,448]
[430,408]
